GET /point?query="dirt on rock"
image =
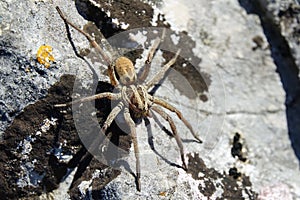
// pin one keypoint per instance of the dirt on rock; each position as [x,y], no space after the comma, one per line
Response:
[33,147]
[232,187]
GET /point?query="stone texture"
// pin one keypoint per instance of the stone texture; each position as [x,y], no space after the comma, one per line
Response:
[239,90]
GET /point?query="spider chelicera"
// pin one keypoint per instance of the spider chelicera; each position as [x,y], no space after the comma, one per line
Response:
[132,95]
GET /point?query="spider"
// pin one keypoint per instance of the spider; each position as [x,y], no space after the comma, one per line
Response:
[132,96]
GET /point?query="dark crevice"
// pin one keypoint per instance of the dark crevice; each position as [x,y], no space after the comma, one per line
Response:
[286,67]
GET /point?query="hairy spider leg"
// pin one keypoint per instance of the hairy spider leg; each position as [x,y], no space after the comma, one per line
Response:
[104,56]
[143,74]
[178,113]
[112,115]
[131,125]
[167,117]
[162,72]
[109,95]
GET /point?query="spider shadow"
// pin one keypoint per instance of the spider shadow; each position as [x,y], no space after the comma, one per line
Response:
[85,158]
[151,143]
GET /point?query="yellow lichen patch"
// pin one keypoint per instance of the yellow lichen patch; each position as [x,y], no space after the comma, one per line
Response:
[163,194]
[44,55]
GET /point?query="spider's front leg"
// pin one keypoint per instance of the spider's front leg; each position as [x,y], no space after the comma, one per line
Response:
[142,75]
[88,36]
[163,71]
[131,125]
[105,56]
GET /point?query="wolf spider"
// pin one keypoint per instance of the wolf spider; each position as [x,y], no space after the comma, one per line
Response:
[132,96]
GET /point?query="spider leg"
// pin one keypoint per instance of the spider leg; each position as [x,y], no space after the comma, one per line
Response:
[174,130]
[109,95]
[112,115]
[145,71]
[162,72]
[105,57]
[110,118]
[155,118]
[93,148]
[131,125]
[88,36]
[178,113]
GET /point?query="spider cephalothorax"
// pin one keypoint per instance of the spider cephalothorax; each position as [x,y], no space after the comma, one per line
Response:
[125,71]
[132,95]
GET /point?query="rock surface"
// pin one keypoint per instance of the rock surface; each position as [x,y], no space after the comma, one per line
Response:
[237,83]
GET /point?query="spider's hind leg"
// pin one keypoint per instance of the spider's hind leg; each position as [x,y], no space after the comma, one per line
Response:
[131,125]
[166,105]
[174,130]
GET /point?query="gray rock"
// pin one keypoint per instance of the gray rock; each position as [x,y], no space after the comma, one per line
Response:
[241,93]
[23,80]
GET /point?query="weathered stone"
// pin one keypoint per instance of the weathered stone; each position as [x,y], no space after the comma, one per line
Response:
[238,86]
